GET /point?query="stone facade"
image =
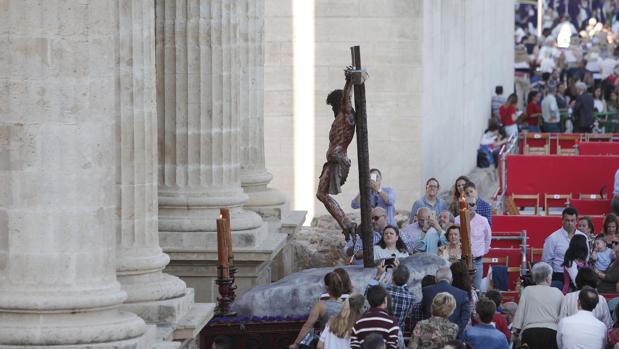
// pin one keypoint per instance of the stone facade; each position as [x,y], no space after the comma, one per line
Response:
[433,65]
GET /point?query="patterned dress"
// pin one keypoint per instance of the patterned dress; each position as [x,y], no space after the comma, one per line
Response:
[433,333]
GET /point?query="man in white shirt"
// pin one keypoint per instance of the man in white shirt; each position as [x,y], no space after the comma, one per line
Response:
[550,110]
[586,278]
[582,330]
[481,236]
[557,243]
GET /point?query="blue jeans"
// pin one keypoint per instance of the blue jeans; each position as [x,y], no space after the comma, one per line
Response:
[551,127]
[534,129]
[478,265]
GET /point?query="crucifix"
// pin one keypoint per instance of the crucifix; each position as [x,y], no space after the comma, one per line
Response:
[335,170]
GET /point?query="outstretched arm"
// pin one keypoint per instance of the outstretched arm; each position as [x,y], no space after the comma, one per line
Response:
[345,103]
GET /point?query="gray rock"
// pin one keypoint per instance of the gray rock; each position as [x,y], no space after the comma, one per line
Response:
[295,294]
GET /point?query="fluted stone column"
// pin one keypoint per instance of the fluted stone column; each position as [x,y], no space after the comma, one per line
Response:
[199,133]
[140,260]
[254,176]
[58,107]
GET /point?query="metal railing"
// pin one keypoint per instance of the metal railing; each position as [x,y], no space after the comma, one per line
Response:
[508,148]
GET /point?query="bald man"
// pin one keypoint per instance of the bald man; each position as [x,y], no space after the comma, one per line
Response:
[420,236]
[379,222]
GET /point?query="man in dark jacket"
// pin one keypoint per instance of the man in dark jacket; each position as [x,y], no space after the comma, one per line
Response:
[462,313]
[583,109]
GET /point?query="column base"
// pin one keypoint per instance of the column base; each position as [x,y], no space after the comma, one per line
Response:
[166,311]
[146,341]
[104,328]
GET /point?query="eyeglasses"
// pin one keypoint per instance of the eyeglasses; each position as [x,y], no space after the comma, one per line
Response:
[375,218]
[615,243]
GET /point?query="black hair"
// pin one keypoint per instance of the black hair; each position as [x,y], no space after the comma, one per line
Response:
[498,90]
[494,296]
[334,99]
[334,284]
[399,244]
[433,179]
[373,341]
[588,298]
[449,229]
[586,278]
[469,184]
[570,211]
[401,275]
[577,249]
[485,308]
[428,280]
[531,95]
[376,295]
[222,342]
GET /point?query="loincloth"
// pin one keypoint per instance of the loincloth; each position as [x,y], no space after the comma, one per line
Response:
[338,173]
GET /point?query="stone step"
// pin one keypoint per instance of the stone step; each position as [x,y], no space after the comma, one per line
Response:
[292,222]
[192,323]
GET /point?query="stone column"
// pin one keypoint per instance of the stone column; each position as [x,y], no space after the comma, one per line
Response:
[58,107]
[140,260]
[199,132]
[254,176]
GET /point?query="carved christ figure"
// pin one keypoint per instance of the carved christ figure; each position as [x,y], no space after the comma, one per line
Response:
[335,170]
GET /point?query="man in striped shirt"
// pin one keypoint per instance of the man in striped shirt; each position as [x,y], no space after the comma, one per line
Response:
[375,320]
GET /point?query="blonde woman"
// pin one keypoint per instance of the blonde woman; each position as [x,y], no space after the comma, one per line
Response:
[336,334]
[436,331]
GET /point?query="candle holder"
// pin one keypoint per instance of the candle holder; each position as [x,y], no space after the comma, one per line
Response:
[226,293]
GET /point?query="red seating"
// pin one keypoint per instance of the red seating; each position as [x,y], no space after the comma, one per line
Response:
[586,207]
[598,148]
[527,174]
[496,256]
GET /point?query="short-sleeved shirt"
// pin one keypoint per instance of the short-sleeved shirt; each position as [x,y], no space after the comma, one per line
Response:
[506,112]
[532,109]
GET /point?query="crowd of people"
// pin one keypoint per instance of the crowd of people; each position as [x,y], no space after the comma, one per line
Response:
[566,75]
[560,305]
[433,225]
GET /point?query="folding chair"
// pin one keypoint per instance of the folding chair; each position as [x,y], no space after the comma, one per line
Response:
[536,254]
[582,196]
[598,137]
[556,200]
[532,138]
[567,144]
[522,200]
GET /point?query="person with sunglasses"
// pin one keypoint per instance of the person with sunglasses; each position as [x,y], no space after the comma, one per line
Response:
[481,236]
[379,222]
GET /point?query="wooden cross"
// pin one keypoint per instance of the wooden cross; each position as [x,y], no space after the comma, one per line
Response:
[363,158]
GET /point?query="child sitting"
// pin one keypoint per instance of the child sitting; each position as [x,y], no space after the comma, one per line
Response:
[602,255]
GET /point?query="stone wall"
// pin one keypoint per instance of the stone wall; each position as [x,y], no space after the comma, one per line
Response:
[433,66]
